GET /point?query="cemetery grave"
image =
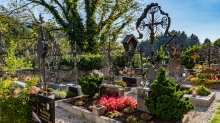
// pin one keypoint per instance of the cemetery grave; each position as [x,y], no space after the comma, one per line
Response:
[117,91]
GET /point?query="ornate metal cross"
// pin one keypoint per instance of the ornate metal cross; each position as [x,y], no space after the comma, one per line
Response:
[151,18]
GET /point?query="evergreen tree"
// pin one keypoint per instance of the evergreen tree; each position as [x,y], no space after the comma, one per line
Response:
[165,100]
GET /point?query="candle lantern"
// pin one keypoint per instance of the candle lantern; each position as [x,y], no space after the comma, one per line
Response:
[194,92]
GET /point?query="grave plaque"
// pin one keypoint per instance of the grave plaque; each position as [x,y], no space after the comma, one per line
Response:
[42,109]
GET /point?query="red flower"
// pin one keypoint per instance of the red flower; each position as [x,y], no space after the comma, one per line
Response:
[191,76]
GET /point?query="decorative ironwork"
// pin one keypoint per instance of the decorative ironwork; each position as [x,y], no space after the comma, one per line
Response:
[130,44]
[76,51]
[175,47]
[42,49]
[3,52]
[209,52]
[54,55]
[155,20]
[151,18]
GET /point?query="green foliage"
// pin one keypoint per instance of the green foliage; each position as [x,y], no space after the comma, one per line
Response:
[160,55]
[12,62]
[217,43]
[136,61]
[89,62]
[90,84]
[101,15]
[59,94]
[201,90]
[165,100]
[71,94]
[119,60]
[14,107]
[132,119]
[188,62]
[216,117]
[120,83]
[49,89]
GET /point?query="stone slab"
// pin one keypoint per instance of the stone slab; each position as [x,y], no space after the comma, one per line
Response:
[141,106]
[201,100]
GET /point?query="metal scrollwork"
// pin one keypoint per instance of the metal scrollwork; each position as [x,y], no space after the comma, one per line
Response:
[153,18]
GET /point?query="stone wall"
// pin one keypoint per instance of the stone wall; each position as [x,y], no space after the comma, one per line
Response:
[57,76]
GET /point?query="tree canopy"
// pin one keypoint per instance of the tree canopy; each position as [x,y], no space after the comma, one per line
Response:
[90,22]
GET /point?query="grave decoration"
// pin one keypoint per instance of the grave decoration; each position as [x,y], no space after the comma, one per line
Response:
[175,47]
[130,43]
[155,20]
[165,100]
[42,50]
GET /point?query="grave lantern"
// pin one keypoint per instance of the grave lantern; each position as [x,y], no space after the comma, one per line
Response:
[194,92]
[130,43]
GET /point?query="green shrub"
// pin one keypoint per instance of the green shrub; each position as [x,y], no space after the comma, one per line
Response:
[49,89]
[90,84]
[120,83]
[71,94]
[201,90]
[14,107]
[59,94]
[89,62]
[165,100]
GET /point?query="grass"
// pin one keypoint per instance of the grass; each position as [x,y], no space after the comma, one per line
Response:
[216,117]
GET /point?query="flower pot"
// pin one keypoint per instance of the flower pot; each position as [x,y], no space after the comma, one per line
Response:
[98,110]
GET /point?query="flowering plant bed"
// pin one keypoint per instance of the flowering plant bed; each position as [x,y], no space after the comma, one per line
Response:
[84,103]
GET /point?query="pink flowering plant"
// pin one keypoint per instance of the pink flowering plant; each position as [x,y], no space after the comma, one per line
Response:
[13,100]
[113,103]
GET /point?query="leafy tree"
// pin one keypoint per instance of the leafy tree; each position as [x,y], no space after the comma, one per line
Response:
[160,55]
[100,16]
[188,62]
[217,43]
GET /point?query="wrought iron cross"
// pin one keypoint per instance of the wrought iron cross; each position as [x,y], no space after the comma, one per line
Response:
[151,18]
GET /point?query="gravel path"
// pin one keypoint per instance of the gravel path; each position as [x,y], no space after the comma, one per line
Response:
[201,114]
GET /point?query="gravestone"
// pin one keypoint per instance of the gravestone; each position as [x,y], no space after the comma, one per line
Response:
[151,73]
[105,89]
[135,81]
[42,109]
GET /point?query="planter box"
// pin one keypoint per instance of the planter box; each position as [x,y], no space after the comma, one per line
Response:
[85,113]
[201,100]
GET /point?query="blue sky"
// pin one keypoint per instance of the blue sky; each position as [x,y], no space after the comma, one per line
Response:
[200,17]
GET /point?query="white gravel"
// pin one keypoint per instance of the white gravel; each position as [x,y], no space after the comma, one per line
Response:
[63,116]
